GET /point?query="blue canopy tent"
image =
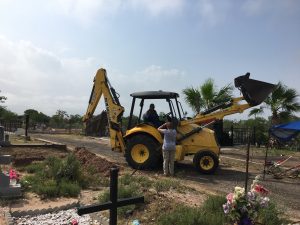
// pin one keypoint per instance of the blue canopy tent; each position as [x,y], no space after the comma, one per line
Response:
[287,131]
[283,132]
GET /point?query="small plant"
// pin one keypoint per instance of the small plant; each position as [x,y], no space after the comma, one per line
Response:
[69,189]
[144,182]
[166,185]
[34,167]
[124,191]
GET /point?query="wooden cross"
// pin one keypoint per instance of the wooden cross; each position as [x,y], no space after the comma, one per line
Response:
[114,202]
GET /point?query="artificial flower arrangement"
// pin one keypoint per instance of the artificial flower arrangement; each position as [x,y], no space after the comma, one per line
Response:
[13,176]
[241,208]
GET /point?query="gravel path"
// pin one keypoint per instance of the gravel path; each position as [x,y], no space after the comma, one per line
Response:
[60,218]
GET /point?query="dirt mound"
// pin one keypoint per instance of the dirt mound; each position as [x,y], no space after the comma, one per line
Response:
[89,159]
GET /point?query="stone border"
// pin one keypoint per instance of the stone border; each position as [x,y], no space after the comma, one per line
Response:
[8,218]
[45,210]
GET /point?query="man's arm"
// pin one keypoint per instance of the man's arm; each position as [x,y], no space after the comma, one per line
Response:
[162,128]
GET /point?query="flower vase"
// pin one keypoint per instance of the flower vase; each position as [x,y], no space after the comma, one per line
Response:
[244,221]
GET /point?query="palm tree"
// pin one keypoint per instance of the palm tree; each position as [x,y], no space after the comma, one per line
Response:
[193,98]
[207,95]
[282,102]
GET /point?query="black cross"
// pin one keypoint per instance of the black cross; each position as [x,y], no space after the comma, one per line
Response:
[114,203]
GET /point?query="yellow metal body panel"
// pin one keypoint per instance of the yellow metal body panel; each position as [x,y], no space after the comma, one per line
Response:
[179,155]
[145,128]
[203,140]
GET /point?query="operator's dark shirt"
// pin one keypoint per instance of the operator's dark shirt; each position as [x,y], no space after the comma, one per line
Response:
[151,116]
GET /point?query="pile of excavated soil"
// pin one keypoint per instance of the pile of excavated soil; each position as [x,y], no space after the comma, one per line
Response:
[23,156]
[89,159]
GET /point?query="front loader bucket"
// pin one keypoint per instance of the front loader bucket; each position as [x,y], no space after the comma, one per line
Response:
[254,91]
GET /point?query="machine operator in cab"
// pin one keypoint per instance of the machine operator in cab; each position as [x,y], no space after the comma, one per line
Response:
[151,116]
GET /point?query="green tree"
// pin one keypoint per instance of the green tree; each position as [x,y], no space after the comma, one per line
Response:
[207,95]
[75,121]
[2,98]
[36,118]
[282,103]
[7,115]
[60,119]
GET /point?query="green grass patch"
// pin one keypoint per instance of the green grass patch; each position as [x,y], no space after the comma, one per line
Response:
[211,213]
[34,167]
[166,185]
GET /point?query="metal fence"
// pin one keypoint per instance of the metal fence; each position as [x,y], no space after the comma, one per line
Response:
[239,136]
[11,126]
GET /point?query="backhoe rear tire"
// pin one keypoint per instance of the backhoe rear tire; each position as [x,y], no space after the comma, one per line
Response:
[206,162]
[143,152]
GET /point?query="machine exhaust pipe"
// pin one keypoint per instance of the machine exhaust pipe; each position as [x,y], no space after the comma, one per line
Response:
[254,91]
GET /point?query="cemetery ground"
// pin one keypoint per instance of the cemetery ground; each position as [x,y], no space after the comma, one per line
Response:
[162,195]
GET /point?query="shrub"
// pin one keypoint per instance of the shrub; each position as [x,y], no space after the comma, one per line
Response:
[34,167]
[271,215]
[68,189]
[55,177]
[47,189]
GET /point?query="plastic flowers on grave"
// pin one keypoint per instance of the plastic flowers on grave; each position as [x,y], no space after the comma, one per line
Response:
[241,208]
[13,174]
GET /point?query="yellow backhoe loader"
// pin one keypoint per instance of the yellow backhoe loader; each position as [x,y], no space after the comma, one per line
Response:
[141,143]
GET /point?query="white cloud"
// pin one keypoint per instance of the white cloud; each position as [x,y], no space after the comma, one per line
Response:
[32,77]
[258,7]
[213,12]
[85,11]
[156,7]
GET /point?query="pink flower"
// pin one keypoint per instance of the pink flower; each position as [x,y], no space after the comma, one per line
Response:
[74,222]
[13,174]
[229,197]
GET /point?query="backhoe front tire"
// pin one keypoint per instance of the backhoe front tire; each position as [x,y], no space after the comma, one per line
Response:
[142,152]
[206,162]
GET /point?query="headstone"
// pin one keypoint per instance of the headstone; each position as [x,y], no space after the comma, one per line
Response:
[5,159]
[8,189]
[4,181]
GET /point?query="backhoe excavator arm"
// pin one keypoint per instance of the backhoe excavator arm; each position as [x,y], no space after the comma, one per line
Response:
[113,107]
[254,93]
[220,112]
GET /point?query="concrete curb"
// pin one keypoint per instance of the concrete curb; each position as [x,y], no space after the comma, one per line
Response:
[8,218]
[45,210]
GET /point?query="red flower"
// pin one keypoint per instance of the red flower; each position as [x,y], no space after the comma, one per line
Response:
[260,189]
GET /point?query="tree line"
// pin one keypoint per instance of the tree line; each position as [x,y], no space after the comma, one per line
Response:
[282,104]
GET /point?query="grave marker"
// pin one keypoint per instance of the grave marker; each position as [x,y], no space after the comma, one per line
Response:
[114,202]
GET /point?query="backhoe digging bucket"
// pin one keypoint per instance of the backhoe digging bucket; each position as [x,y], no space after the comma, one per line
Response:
[254,91]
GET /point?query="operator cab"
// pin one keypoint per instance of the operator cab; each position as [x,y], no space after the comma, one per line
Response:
[175,108]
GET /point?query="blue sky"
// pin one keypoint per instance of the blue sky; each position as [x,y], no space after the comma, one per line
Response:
[51,50]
